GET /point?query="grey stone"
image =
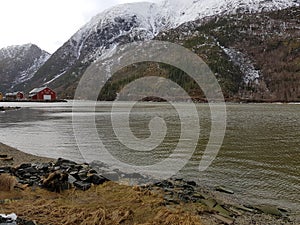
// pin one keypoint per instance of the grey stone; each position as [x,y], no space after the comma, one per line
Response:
[113,176]
[210,202]
[62,161]
[224,189]
[75,175]
[225,220]
[82,175]
[191,183]
[82,185]
[133,175]
[5,169]
[245,208]
[56,168]
[222,211]
[30,170]
[24,165]
[30,223]
[26,175]
[269,209]
[165,184]
[71,179]
[169,200]
[96,179]
[92,171]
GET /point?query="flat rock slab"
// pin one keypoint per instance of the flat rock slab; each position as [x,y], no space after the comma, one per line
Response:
[82,185]
[224,190]
[271,210]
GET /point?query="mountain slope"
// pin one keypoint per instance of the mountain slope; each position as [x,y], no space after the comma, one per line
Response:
[120,25]
[190,10]
[134,22]
[255,57]
[19,63]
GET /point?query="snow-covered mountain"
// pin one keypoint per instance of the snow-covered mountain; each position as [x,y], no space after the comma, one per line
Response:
[134,22]
[180,11]
[119,25]
[19,64]
[143,21]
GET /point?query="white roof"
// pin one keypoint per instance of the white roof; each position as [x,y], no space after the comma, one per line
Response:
[14,93]
[37,90]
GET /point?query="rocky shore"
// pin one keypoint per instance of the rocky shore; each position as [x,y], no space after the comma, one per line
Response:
[3,109]
[14,157]
[81,189]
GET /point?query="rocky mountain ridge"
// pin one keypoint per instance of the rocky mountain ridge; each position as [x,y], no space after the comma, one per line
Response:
[19,63]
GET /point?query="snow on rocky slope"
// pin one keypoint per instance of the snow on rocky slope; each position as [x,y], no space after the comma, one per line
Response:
[19,64]
[135,22]
[143,21]
[181,11]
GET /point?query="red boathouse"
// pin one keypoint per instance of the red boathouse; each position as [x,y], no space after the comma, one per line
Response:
[42,94]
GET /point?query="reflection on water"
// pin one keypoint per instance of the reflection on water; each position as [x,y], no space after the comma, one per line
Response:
[259,158]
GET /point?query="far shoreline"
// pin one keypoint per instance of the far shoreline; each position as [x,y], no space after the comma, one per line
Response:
[37,101]
[158,100]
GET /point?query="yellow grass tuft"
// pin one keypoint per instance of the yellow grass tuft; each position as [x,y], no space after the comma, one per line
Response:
[174,217]
[108,204]
[7,182]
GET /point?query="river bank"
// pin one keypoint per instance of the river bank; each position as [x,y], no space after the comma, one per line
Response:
[168,202]
[15,157]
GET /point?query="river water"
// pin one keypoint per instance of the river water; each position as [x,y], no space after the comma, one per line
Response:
[259,158]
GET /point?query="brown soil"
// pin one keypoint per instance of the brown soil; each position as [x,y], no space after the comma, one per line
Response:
[18,157]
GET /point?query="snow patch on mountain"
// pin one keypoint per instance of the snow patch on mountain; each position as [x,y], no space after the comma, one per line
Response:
[182,11]
[244,63]
[53,79]
[29,73]
[15,51]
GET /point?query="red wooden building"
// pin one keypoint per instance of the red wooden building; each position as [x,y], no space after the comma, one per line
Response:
[42,94]
[18,95]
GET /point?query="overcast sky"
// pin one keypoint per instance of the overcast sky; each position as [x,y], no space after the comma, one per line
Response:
[47,23]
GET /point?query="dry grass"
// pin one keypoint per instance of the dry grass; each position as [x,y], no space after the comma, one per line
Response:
[107,204]
[168,217]
[7,182]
